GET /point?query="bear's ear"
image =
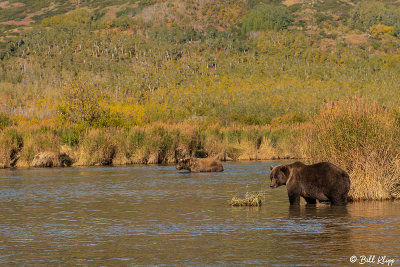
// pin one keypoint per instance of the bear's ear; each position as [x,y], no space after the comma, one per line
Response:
[284,168]
[271,167]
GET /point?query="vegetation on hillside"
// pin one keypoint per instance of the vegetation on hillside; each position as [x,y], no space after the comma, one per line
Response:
[250,63]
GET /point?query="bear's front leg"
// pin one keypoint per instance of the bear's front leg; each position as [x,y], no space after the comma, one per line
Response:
[294,199]
[339,200]
[310,200]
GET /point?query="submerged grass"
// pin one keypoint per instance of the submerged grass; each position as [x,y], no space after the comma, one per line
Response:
[249,199]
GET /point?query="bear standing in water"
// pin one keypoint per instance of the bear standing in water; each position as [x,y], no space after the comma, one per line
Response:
[200,165]
[323,181]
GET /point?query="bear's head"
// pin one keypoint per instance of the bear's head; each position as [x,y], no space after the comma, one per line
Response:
[183,164]
[279,175]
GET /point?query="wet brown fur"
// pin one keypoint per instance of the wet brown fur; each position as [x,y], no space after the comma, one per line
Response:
[200,165]
[321,181]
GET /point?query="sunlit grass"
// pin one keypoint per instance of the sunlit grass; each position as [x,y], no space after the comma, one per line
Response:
[158,143]
[360,136]
[249,199]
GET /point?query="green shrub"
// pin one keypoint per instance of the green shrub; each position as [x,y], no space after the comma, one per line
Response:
[5,121]
[70,136]
[145,3]
[267,17]
[369,13]
[320,17]
[75,19]
[128,11]
[174,35]
[82,104]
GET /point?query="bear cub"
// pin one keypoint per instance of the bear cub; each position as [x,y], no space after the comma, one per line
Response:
[200,165]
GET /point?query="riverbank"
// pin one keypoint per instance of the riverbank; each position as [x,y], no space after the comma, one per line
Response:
[358,135]
[52,146]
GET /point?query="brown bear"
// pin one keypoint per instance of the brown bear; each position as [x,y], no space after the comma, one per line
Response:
[323,181]
[200,165]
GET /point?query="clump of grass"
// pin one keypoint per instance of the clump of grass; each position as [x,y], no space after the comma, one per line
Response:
[360,136]
[250,200]
[11,143]
[162,143]
[37,140]
[97,148]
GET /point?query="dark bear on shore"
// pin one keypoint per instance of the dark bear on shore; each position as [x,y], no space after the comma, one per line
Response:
[200,165]
[323,181]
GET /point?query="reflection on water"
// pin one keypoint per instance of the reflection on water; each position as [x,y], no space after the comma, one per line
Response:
[155,215]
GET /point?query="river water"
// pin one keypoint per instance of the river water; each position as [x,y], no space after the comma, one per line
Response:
[155,215]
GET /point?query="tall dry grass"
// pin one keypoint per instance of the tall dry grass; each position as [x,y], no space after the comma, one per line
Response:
[97,147]
[362,137]
[11,143]
[37,139]
[158,143]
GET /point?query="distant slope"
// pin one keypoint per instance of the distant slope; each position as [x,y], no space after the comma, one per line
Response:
[222,61]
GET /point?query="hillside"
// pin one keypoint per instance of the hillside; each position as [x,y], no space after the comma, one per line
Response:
[136,62]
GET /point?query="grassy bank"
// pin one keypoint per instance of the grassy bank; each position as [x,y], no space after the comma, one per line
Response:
[153,144]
